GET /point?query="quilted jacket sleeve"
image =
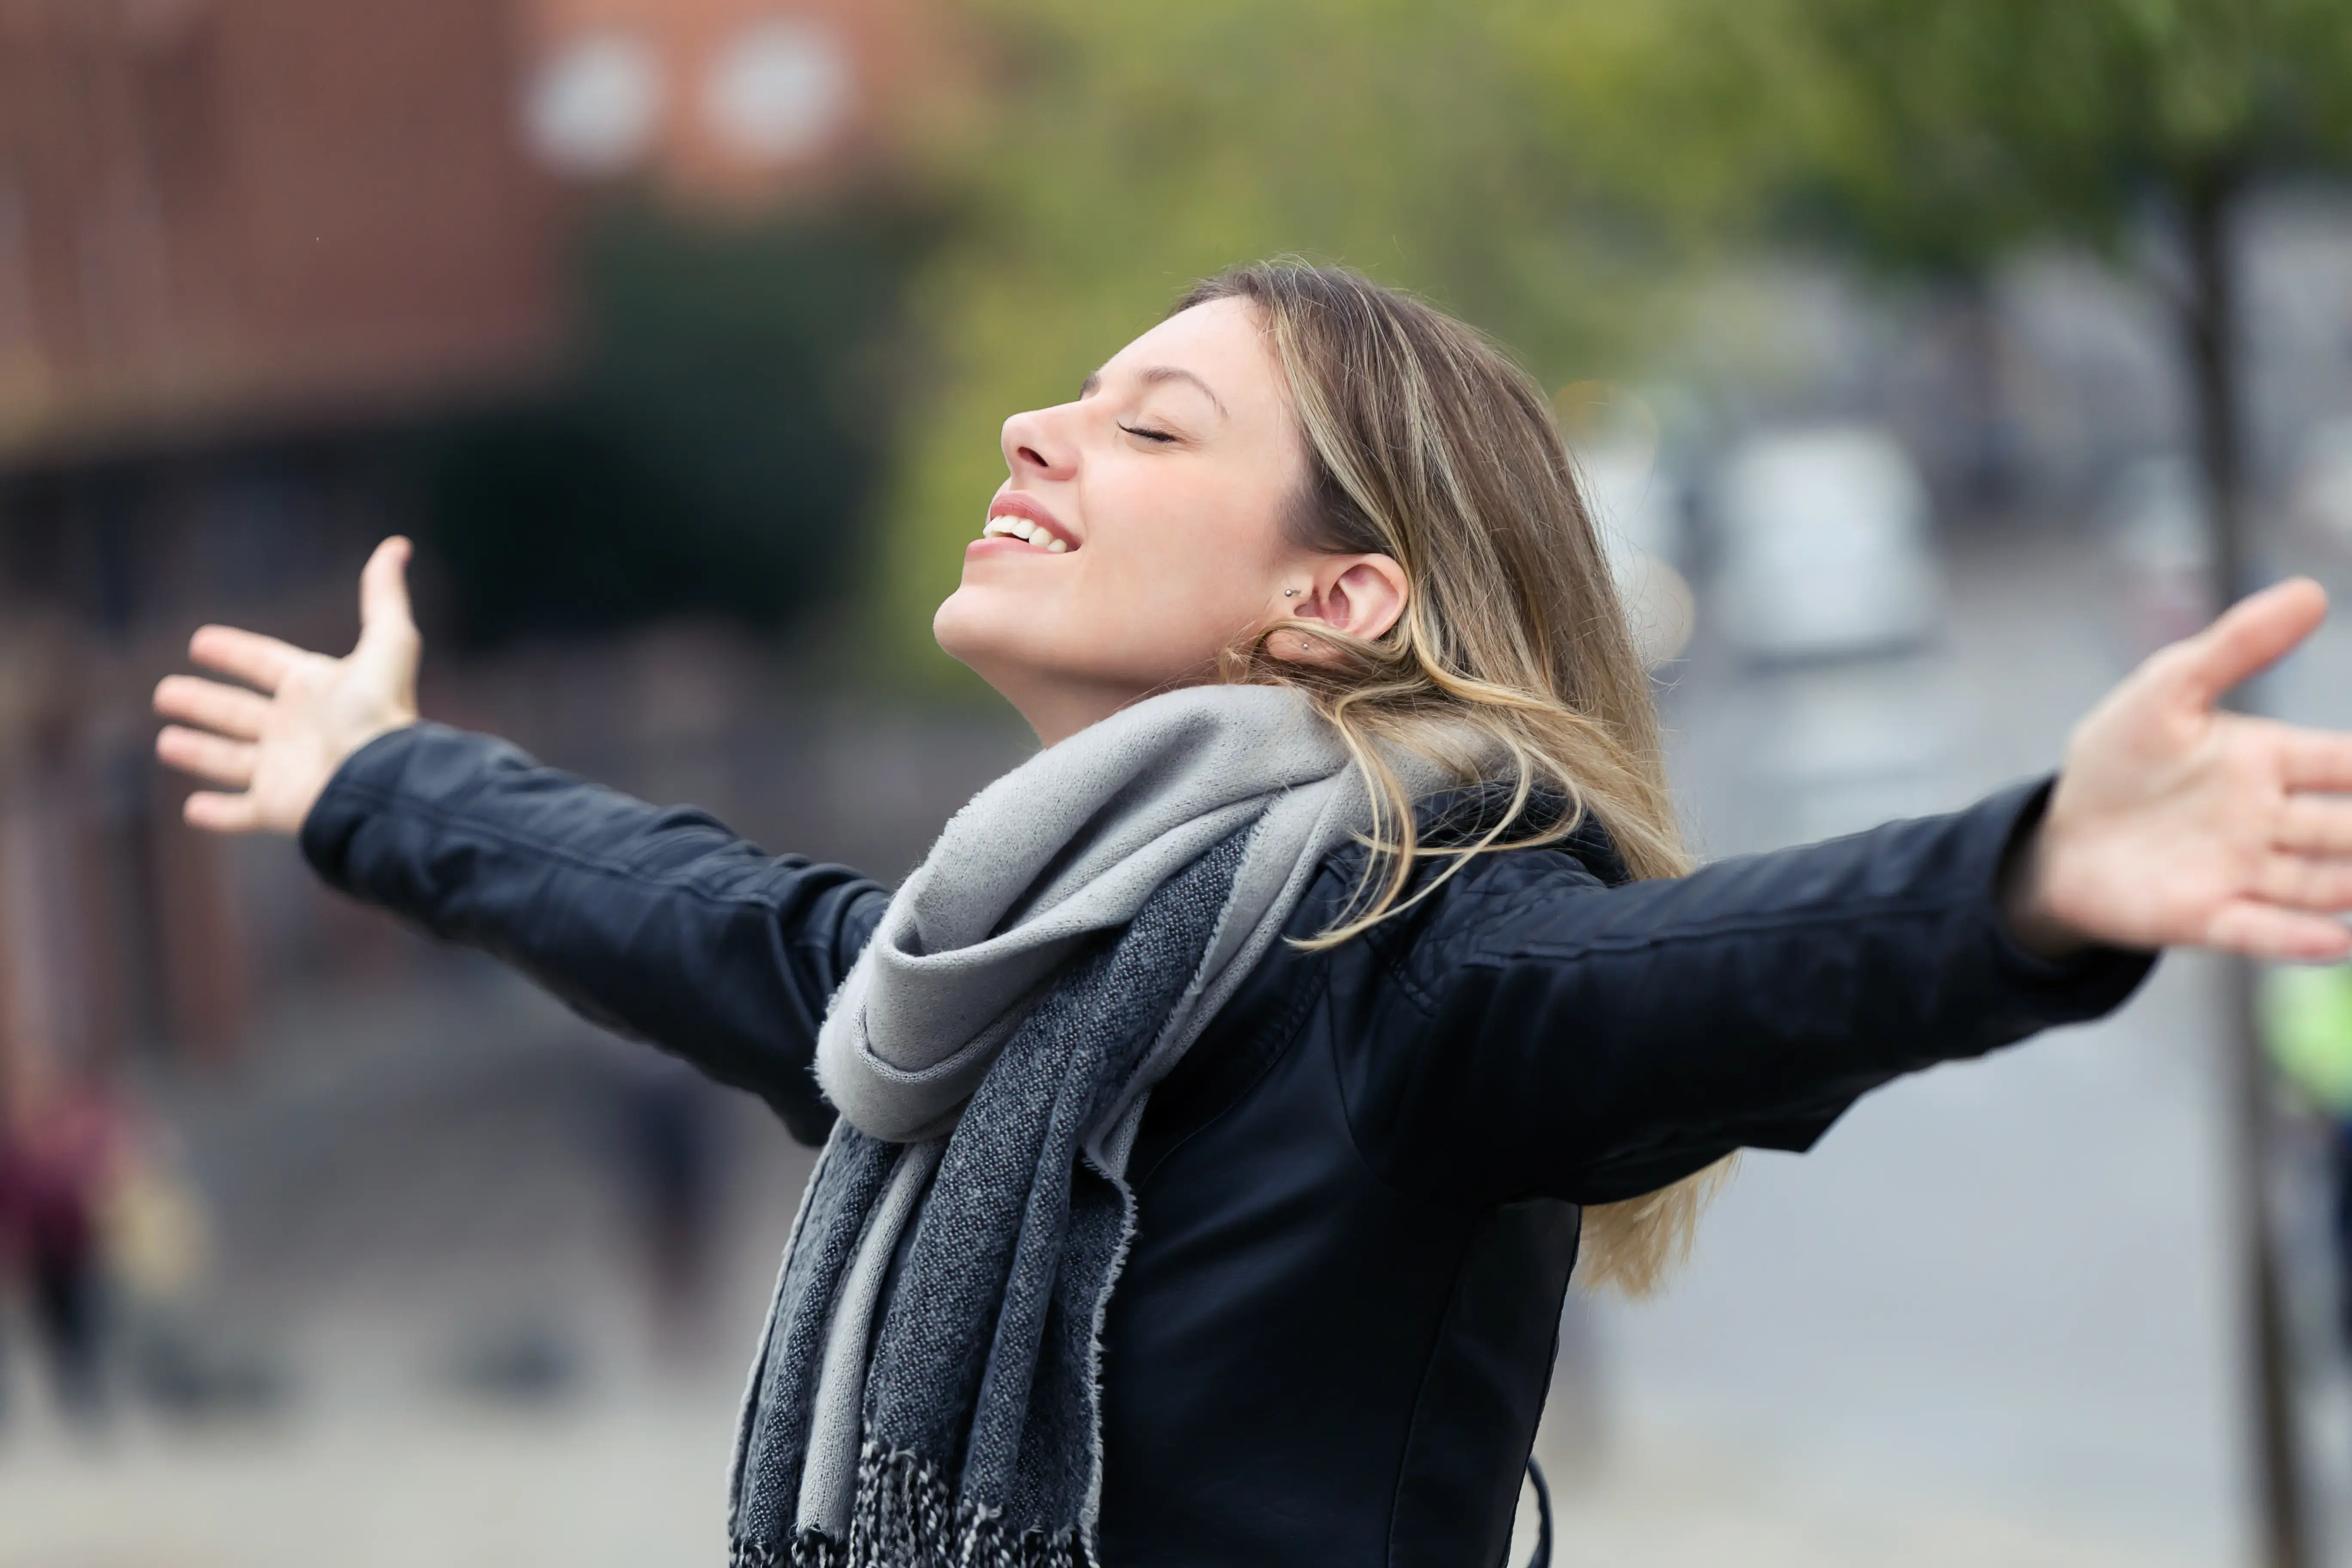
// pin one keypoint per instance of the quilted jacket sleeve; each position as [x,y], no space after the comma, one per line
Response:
[1544,1035]
[659,924]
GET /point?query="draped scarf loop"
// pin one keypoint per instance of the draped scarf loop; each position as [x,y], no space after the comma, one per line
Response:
[927,1391]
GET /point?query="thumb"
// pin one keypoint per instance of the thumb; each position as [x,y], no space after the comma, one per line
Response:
[2251,635]
[384,617]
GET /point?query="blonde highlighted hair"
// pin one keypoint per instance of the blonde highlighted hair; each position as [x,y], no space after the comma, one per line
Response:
[1512,661]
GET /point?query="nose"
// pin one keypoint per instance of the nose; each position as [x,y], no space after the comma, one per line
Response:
[1035,445]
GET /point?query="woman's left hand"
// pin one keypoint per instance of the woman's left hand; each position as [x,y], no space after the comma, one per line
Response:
[2176,823]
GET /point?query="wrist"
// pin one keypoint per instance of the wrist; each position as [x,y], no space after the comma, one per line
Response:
[332,759]
[369,735]
[2027,913]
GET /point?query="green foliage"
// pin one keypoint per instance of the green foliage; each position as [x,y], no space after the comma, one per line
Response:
[1940,132]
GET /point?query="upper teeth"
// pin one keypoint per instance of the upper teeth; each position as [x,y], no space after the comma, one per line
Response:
[1035,533]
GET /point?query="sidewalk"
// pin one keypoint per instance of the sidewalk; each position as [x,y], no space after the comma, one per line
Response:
[615,1484]
[635,1478]
[1672,1500]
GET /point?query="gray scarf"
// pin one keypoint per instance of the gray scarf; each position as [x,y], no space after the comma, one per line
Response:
[927,1391]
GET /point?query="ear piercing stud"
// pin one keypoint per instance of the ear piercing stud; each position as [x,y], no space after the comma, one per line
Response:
[1290,592]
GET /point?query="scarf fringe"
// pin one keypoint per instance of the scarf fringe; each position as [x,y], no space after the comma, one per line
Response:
[906,1515]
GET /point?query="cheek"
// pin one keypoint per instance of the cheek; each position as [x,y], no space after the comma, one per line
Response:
[1180,585]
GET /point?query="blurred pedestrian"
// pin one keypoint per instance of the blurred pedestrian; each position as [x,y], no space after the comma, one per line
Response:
[1213,1120]
[666,1139]
[61,1151]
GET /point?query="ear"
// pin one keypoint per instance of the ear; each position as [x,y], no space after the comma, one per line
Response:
[1359,595]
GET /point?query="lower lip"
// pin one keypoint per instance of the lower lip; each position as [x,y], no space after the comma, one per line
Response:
[998,544]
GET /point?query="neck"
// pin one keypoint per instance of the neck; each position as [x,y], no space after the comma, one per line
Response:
[1059,710]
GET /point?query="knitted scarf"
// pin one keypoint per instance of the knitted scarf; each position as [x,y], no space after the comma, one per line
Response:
[926,1394]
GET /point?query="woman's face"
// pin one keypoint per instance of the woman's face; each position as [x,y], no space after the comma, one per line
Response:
[1141,530]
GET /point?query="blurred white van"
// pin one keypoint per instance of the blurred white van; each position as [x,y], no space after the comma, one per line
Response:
[1824,546]
[2320,493]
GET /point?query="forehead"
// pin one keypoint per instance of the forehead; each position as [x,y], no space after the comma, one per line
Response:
[1223,341]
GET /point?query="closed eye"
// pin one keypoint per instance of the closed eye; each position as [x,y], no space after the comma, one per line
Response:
[1161,435]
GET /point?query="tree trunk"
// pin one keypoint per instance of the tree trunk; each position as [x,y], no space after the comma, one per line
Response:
[2210,323]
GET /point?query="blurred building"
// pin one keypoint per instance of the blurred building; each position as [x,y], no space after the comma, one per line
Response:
[221,216]
[245,245]
[728,101]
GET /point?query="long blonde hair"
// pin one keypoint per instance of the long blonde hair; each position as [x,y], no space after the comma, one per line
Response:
[1430,446]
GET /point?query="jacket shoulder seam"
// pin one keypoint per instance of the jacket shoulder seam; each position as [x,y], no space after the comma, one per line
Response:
[1729,925]
[601,865]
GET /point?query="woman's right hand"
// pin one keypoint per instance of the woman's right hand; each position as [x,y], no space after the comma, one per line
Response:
[270,752]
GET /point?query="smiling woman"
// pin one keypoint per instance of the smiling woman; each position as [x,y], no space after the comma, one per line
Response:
[1167,483]
[1213,1120]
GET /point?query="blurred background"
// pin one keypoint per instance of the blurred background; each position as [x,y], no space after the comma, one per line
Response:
[1930,361]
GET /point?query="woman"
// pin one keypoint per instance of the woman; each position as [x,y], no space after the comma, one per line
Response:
[1220,1103]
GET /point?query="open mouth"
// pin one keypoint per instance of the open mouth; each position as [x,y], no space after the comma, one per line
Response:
[1035,534]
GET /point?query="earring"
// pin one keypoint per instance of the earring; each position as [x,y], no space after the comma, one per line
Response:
[1290,592]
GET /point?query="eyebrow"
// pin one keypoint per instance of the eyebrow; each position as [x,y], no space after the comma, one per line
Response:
[1154,376]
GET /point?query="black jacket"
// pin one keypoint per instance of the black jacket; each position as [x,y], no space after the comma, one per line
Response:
[1357,1195]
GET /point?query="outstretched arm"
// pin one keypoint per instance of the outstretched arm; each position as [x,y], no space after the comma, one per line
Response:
[662,925]
[1553,1036]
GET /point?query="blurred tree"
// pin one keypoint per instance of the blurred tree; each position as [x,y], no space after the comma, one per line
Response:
[1938,135]
[716,445]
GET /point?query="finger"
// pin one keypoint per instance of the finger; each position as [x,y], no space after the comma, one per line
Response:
[2251,635]
[250,656]
[230,711]
[2320,883]
[221,813]
[2313,824]
[2315,759]
[384,612]
[2285,936]
[209,757]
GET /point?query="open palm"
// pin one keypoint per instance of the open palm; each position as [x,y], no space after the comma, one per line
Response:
[269,746]
[2178,823]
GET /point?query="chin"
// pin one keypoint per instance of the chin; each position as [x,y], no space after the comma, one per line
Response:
[953,628]
[973,630]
